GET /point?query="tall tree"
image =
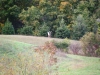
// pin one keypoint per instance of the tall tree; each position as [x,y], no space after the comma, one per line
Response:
[8,28]
[11,9]
[79,27]
[85,8]
[49,13]
[62,31]
[31,17]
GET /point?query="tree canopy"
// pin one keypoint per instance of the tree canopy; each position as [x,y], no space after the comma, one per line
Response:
[37,12]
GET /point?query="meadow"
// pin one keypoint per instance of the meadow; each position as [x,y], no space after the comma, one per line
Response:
[18,57]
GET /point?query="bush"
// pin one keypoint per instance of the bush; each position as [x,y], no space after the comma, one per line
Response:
[62,45]
[91,44]
[8,28]
[75,47]
[98,52]
[1,26]
[27,30]
[62,32]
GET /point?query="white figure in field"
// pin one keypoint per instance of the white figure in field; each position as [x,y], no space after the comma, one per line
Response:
[49,33]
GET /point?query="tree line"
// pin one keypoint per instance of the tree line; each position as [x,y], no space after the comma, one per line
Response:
[65,18]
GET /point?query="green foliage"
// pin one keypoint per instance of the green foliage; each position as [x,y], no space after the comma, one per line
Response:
[98,52]
[44,29]
[65,9]
[91,44]
[62,45]
[86,9]
[22,12]
[30,16]
[79,28]
[27,30]
[98,22]
[23,4]
[14,11]
[8,28]
[62,31]
[8,9]
[1,26]
[11,9]
[49,14]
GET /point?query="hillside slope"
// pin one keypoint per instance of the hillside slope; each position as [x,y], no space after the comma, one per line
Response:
[29,39]
[66,65]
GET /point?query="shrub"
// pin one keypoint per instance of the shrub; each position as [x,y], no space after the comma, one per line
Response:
[62,45]
[50,49]
[27,30]
[98,52]
[36,62]
[19,30]
[1,26]
[8,28]
[99,28]
[91,43]
[75,47]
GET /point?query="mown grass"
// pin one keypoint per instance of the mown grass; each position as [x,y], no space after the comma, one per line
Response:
[69,65]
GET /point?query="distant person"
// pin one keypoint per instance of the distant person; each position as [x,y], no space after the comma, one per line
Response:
[49,33]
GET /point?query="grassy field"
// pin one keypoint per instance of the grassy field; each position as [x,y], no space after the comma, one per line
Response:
[12,45]
[79,65]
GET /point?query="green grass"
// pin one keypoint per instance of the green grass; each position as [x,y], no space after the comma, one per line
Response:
[70,65]
[10,47]
[79,65]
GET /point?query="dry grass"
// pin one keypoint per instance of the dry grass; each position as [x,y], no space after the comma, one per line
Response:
[29,39]
[38,41]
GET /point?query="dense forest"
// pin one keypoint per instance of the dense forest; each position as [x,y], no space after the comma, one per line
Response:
[64,18]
